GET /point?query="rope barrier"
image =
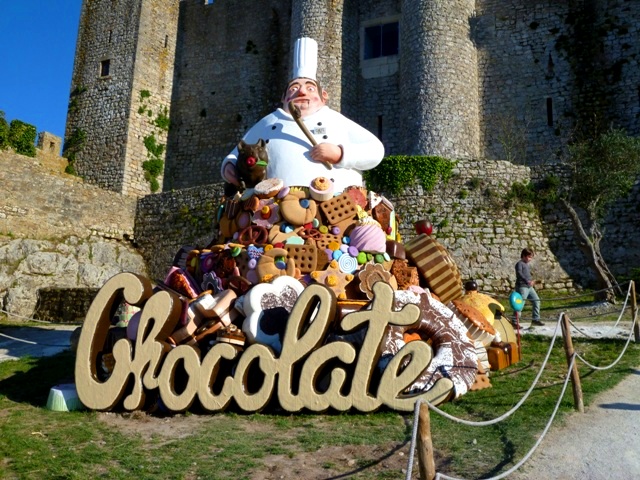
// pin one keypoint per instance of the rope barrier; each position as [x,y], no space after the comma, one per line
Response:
[523,399]
[615,325]
[25,318]
[594,315]
[615,362]
[414,436]
[538,442]
[517,465]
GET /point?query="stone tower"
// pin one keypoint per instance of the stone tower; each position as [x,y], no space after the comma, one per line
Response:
[439,79]
[326,23]
[121,90]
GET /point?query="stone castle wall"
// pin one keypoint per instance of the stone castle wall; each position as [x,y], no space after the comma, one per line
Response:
[137,38]
[99,106]
[470,220]
[61,239]
[534,77]
[59,235]
[231,70]
[153,73]
[484,238]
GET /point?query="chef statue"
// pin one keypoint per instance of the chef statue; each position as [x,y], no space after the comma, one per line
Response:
[305,139]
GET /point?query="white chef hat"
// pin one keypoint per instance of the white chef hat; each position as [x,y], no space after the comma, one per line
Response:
[305,58]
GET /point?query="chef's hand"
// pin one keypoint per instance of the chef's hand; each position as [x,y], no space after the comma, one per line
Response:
[326,152]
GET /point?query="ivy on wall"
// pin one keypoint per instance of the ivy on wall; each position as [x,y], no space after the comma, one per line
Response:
[396,172]
[72,146]
[73,98]
[154,165]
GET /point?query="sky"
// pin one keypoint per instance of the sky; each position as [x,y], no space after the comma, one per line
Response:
[37,46]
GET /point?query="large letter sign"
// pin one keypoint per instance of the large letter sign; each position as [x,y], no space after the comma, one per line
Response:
[151,363]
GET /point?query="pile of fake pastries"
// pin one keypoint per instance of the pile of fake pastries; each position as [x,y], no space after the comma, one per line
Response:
[274,240]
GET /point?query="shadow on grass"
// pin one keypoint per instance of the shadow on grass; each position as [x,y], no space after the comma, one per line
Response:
[371,463]
[32,385]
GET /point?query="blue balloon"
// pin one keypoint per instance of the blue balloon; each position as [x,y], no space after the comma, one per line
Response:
[516,301]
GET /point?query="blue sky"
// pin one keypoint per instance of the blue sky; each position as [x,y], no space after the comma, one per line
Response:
[38,41]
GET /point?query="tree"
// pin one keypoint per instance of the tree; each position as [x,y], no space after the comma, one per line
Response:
[602,170]
[4,131]
[22,137]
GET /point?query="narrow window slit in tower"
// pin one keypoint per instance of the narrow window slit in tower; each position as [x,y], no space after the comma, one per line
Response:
[549,112]
[110,35]
[104,68]
[380,127]
[166,41]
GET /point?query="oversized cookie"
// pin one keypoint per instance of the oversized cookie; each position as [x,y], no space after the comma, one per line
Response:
[276,263]
[370,275]
[268,188]
[333,278]
[338,209]
[305,257]
[479,328]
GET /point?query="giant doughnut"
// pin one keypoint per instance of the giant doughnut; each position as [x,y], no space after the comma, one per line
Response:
[267,267]
[454,353]
[298,210]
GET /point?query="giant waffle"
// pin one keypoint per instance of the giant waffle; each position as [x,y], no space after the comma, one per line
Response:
[436,267]
[338,209]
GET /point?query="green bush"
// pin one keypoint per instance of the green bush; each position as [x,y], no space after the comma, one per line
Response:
[153,166]
[22,137]
[154,148]
[520,194]
[397,172]
[4,132]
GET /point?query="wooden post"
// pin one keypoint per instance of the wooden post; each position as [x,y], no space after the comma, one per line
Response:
[575,376]
[634,312]
[425,446]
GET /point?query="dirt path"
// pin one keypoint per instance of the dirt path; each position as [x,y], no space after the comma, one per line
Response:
[601,443]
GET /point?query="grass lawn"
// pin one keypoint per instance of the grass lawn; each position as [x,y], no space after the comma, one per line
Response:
[37,443]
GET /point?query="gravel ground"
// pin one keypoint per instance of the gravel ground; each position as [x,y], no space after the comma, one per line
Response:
[582,330]
[601,443]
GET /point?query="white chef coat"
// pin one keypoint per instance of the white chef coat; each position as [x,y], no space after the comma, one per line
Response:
[289,148]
